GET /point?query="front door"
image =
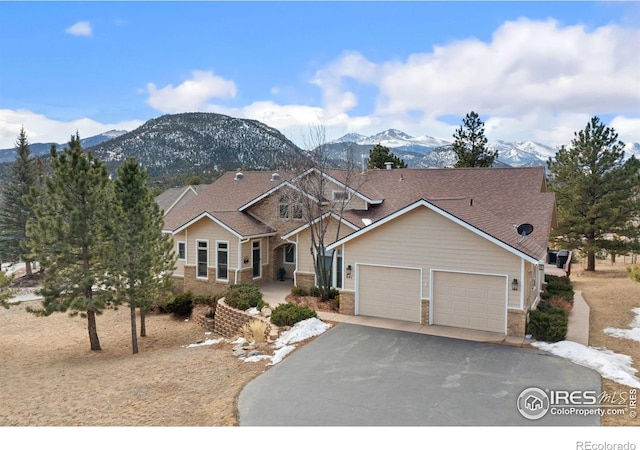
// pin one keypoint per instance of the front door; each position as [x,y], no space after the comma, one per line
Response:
[257,263]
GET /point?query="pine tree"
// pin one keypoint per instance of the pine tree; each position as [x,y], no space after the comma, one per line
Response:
[71,236]
[596,191]
[379,155]
[147,256]
[470,144]
[23,175]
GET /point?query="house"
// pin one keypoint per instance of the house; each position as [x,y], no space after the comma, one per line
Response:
[177,197]
[456,247]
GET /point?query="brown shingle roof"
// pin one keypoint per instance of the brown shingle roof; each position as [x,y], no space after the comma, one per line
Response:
[492,200]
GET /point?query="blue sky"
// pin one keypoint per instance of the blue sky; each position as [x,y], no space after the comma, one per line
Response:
[532,70]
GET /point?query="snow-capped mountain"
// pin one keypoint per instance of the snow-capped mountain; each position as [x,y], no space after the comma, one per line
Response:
[426,151]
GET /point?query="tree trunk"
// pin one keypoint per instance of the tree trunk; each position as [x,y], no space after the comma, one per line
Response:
[143,324]
[613,258]
[27,265]
[591,261]
[134,333]
[93,331]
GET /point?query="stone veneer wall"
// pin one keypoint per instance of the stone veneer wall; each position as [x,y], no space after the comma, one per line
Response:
[424,313]
[306,280]
[228,320]
[516,322]
[347,302]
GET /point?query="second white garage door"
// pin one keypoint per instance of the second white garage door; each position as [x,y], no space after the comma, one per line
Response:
[389,292]
[470,301]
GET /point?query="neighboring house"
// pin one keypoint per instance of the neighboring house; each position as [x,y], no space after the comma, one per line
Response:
[432,246]
[175,198]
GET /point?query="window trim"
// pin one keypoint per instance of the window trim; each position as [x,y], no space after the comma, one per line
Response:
[283,207]
[284,257]
[218,278]
[198,241]
[259,241]
[184,247]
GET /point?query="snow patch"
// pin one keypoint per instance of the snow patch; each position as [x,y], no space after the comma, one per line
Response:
[613,366]
[633,333]
[206,342]
[301,331]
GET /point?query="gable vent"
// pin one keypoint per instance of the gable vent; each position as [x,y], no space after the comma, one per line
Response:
[238,176]
[275,177]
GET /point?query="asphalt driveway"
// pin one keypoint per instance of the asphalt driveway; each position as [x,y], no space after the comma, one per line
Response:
[354,375]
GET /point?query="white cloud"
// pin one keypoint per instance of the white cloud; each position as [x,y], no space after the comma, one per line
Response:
[82,28]
[191,95]
[534,80]
[40,128]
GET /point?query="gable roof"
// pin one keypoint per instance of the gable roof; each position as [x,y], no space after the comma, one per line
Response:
[489,201]
[176,197]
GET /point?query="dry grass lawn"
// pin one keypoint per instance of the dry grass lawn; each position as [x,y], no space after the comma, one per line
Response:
[611,296]
[50,377]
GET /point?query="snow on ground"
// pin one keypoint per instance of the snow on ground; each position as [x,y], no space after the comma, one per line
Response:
[283,345]
[613,366]
[633,333]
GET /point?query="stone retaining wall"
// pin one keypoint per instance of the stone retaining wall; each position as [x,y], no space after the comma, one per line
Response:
[228,320]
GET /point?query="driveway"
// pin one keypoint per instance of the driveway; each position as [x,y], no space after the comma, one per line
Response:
[355,375]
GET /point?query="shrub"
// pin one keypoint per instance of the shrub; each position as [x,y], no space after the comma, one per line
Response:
[244,296]
[299,291]
[314,291]
[333,293]
[288,314]
[561,302]
[335,303]
[181,305]
[255,331]
[548,323]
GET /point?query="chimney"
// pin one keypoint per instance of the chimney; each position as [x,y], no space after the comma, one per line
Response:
[388,165]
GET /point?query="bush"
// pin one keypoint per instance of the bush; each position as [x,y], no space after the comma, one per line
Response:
[288,314]
[548,323]
[244,296]
[333,293]
[561,302]
[181,305]
[299,291]
[254,331]
[314,291]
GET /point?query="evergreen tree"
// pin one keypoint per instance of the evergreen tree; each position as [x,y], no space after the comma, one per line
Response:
[379,155]
[71,236]
[23,175]
[596,191]
[470,144]
[147,257]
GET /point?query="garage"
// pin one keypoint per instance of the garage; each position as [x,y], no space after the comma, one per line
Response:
[388,292]
[472,301]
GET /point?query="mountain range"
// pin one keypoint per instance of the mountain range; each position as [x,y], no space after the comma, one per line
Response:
[192,143]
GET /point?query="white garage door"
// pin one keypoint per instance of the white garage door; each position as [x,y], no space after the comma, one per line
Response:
[390,293]
[470,301]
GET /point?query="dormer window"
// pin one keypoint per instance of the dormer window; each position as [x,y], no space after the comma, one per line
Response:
[283,207]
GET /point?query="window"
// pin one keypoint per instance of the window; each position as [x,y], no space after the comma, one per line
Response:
[297,211]
[289,254]
[257,263]
[202,262]
[222,264]
[182,250]
[284,207]
[340,196]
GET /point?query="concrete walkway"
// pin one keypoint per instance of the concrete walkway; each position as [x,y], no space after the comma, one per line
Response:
[579,321]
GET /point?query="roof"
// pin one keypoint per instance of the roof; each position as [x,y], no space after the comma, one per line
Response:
[491,201]
[176,197]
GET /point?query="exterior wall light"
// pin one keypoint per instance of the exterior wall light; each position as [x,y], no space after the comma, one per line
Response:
[514,284]
[349,271]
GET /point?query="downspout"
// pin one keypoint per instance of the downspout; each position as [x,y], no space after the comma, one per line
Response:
[522,283]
